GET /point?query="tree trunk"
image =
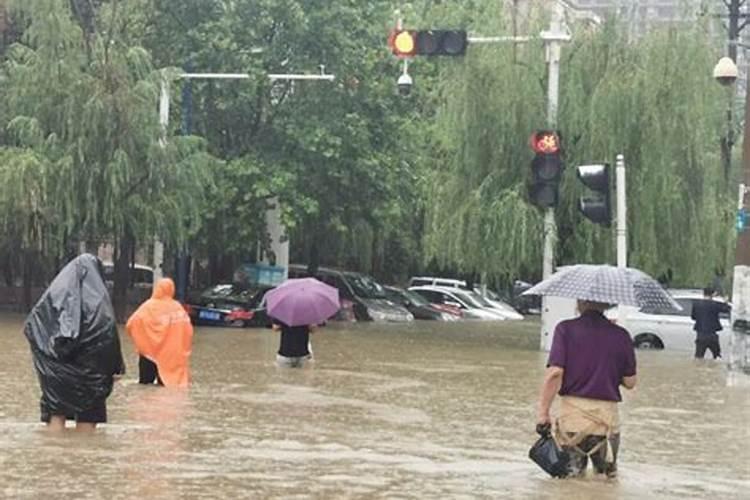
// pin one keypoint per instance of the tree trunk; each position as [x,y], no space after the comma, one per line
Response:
[29,260]
[122,275]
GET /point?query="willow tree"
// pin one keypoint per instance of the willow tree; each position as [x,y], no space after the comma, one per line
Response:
[81,126]
[333,152]
[650,99]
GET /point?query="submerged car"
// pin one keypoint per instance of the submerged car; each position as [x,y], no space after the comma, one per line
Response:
[667,329]
[461,299]
[228,305]
[361,293]
[418,305]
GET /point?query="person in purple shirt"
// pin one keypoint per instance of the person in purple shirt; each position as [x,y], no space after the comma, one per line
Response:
[590,358]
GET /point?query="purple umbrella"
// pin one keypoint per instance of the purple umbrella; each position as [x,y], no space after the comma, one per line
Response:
[304,301]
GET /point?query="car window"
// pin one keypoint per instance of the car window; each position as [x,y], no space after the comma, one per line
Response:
[419,282]
[365,286]
[685,303]
[415,298]
[479,299]
[687,307]
[142,276]
[430,296]
[469,301]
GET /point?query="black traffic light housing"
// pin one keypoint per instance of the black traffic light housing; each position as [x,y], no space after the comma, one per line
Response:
[546,168]
[409,43]
[598,206]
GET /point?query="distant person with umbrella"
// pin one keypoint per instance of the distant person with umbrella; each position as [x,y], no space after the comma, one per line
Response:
[706,313]
[590,358]
[296,307]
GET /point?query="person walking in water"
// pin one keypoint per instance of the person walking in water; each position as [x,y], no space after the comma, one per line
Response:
[75,346]
[294,345]
[706,313]
[163,336]
[590,359]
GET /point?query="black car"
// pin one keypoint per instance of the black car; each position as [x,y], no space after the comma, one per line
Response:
[416,304]
[361,296]
[229,305]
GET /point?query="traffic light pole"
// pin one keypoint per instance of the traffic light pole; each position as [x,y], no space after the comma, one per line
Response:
[553,40]
[739,352]
[275,228]
[553,43]
[622,215]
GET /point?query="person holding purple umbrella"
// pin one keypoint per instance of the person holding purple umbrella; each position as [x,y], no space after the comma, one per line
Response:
[296,307]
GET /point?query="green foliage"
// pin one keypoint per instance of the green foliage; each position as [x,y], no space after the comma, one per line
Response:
[81,158]
[651,99]
[366,179]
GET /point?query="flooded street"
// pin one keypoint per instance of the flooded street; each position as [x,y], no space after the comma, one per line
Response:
[419,411]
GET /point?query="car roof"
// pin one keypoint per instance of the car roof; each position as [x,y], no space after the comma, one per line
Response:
[323,269]
[435,288]
[436,279]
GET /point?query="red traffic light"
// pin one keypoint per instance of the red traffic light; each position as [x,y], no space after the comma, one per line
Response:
[545,142]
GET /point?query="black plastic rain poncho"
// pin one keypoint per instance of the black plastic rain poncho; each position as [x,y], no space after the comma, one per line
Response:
[74,340]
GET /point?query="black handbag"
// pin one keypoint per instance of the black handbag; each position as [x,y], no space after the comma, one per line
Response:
[547,455]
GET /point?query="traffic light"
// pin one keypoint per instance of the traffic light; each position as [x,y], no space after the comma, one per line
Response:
[546,168]
[596,208]
[409,43]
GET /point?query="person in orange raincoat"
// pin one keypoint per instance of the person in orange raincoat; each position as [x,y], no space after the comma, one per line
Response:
[163,336]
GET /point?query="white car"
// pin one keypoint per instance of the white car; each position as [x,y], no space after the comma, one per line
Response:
[671,330]
[493,300]
[141,276]
[461,299]
[432,281]
[489,300]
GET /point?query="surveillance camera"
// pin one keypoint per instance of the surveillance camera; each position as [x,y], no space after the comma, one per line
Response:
[404,84]
[725,71]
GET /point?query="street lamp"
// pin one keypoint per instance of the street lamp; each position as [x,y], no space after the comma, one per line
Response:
[725,72]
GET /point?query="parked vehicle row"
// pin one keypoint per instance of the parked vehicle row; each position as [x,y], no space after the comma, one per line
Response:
[362,299]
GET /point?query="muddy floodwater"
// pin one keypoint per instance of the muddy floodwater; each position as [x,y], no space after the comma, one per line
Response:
[428,410]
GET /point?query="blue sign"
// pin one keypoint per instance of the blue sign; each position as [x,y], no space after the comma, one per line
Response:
[741,220]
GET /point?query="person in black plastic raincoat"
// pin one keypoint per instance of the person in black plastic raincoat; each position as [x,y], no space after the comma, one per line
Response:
[75,346]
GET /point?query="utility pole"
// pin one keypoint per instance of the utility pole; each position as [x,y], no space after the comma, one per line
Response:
[553,43]
[281,246]
[739,355]
[622,213]
[734,29]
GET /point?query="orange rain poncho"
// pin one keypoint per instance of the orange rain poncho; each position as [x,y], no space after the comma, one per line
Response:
[161,331]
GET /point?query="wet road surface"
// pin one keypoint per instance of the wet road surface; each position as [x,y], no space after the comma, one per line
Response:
[420,411]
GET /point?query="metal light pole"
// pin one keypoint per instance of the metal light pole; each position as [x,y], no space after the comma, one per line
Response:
[164,101]
[551,307]
[622,213]
[553,41]
[739,353]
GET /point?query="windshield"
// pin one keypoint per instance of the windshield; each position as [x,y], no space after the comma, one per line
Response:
[229,292]
[466,298]
[415,298]
[365,287]
[479,299]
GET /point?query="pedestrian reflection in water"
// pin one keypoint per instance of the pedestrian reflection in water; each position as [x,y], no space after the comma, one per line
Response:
[160,416]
